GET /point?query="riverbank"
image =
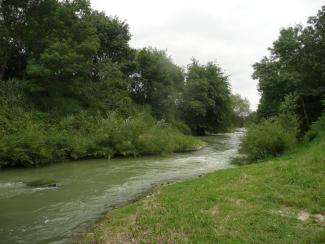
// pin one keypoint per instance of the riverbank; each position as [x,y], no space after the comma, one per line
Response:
[34,141]
[281,200]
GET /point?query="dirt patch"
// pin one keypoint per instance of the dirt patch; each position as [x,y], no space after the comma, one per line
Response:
[303,216]
[285,212]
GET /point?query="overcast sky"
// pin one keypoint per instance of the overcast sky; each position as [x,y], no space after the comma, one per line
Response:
[234,33]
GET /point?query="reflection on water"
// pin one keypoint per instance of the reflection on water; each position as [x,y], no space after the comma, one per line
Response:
[89,188]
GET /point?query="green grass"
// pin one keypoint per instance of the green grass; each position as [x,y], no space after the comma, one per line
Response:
[277,201]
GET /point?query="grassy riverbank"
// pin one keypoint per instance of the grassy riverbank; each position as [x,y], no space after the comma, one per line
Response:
[281,200]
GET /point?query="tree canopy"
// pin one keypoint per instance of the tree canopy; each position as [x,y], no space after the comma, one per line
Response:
[156,81]
[206,102]
[295,66]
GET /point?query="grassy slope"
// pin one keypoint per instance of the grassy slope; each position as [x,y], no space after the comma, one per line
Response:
[278,201]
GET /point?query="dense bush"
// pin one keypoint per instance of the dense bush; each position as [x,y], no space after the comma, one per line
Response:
[269,138]
[182,127]
[25,141]
[33,139]
[272,136]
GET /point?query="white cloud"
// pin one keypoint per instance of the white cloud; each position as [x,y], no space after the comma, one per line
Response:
[236,33]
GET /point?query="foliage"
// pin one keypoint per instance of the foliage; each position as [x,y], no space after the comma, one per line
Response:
[266,139]
[250,119]
[241,109]
[182,127]
[26,141]
[12,94]
[206,104]
[61,48]
[272,136]
[295,65]
[156,81]
[34,139]
[114,38]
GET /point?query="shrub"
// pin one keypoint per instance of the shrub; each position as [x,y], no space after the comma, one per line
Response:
[182,127]
[30,143]
[269,138]
[272,136]
[30,138]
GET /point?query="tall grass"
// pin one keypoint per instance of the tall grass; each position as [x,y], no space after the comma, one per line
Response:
[32,139]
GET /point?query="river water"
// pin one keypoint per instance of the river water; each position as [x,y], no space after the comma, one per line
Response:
[89,188]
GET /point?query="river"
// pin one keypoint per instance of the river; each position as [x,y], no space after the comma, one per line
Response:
[88,188]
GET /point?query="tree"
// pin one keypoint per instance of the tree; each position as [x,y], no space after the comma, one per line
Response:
[156,81]
[241,109]
[114,37]
[61,45]
[206,103]
[295,66]
[13,23]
